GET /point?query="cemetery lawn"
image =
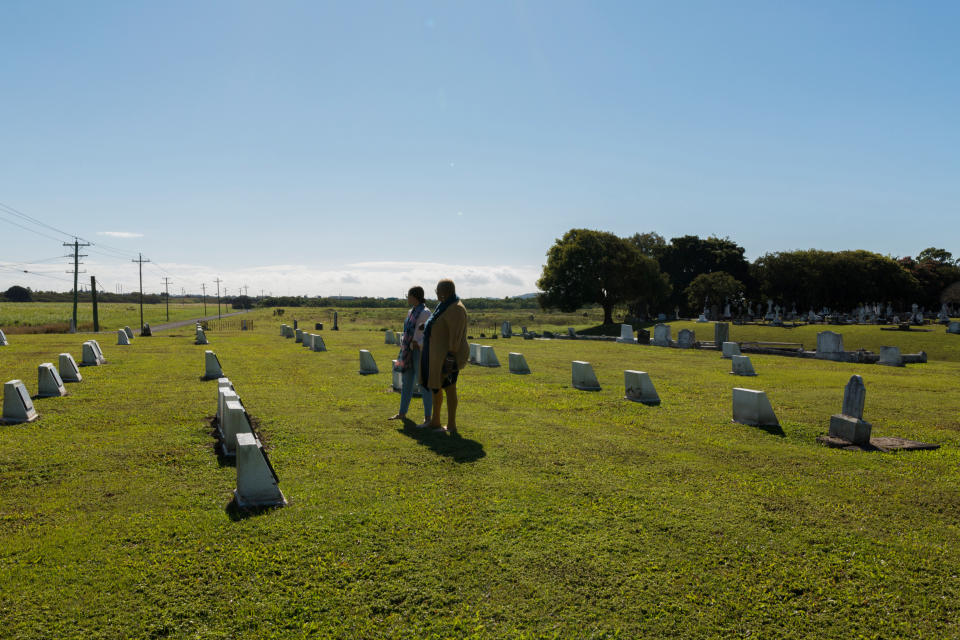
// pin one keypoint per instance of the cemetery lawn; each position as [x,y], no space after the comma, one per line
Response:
[558,513]
[34,317]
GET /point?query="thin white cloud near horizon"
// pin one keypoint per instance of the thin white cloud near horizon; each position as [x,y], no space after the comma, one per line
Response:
[120,234]
[377,279]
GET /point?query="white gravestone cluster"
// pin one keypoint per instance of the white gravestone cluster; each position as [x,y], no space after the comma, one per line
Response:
[849,424]
[49,383]
[367,364]
[17,405]
[639,388]
[518,364]
[583,376]
[69,371]
[753,408]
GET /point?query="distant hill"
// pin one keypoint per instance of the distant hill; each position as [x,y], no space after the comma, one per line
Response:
[527,296]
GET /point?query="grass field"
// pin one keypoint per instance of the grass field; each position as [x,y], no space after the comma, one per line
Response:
[54,317]
[558,513]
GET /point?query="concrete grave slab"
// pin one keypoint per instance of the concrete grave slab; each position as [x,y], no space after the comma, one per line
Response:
[49,383]
[890,356]
[729,349]
[69,371]
[17,405]
[212,368]
[583,376]
[122,338]
[257,483]
[639,387]
[318,343]
[741,366]
[488,357]
[626,334]
[367,364]
[518,364]
[753,408]
[661,335]
[235,421]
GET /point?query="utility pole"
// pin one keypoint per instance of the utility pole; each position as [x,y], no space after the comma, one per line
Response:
[93,296]
[76,266]
[204,287]
[246,290]
[218,281]
[140,260]
[166,284]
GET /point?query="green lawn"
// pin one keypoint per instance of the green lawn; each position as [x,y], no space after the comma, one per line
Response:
[559,513]
[30,317]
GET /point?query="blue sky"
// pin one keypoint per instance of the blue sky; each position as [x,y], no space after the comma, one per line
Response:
[317,148]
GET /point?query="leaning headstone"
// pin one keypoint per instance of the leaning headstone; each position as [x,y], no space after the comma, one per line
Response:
[299,334]
[3,339]
[69,371]
[721,332]
[626,334]
[753,408]
[129,332]
[686,339]
[661,335]
[367,364]
[389,337]
[583,376]
[213,370]
[89,357]
[506,330]
[741,366]
[518,364]
[235,421]
[201,337]
[953,327]
[474,353]
[122,338]
[829,345]
[318,344]
[730,349]
[639,387]
[890,356]
[488,357]
[49,383]
[17,405]
[849,423]
[256,480]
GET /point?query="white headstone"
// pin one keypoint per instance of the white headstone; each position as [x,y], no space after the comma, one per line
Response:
[686,339]
[890,356]
[201,337]
[741,366]
[583,377]
[953,327]
[3,339]
[308,340]
[212,366]
[829,344]
[318,344]
[129,332]
[49,383]
[639,387]
[225,395]
[702,318]
[69,371]
[626,334]
[367,364]
[17,405]
[752,407]
[397,377]
[474,353]
[506,330]
[849,423]
[122,338]
[235,421]
[730,349]
[518,364]
[661,335]
[488,357]
[389,337]
[98,350]
[89,356]
[257,484]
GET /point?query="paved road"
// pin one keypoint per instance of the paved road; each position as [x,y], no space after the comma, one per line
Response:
[183,323]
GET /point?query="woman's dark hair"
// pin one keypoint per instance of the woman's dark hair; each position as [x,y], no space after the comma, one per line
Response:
[416,292]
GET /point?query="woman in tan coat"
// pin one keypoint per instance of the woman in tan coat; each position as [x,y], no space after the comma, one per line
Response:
[445,352]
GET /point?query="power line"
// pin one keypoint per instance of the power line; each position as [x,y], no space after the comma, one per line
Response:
[33,220]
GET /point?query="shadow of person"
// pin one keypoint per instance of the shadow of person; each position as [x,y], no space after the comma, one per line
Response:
[458,448]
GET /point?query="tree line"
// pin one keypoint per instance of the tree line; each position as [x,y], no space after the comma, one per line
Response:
[646,275]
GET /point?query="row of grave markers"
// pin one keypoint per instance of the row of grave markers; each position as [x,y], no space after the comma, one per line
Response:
[312,341]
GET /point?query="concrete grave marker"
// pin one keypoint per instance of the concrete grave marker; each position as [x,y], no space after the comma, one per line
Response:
[488,357]
[686,339]
[99,351]
[213,369]
[829,345]
[226,394]
[639,387]
[890,356]
[3,339]
[367,364]
[235,421]
[201,337]
[49,383]
[397,377]
[318,344]
[308,340]
[506,330]
[69,371]
[17,405]
[298,333]
[730,349]
[661,335]
[122,338]
[518,364]
[389,337]
[474,353]
[89,356]
[849,423]
[721,332]
[626,334]
[257,483]
[741,366]
[129,332]
[753,408]
[583,376]
[953,327]
[571,332]
[702,318]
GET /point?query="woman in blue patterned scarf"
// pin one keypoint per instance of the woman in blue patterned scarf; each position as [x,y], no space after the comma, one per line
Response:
[408,362]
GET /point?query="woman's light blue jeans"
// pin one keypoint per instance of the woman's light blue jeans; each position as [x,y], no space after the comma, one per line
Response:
[409,378]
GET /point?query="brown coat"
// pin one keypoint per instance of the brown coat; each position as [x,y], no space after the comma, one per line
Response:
[448,335]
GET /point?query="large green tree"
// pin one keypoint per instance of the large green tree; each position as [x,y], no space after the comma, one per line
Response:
[596,267]
[687,257]
[716,287]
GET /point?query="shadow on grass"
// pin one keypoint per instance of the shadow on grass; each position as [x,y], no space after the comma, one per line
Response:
[774,430]
[238,513]
[458,448]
